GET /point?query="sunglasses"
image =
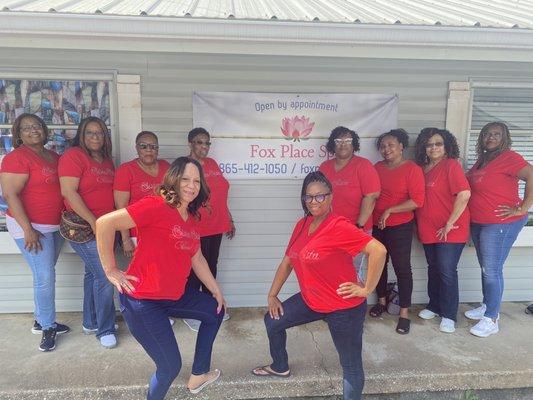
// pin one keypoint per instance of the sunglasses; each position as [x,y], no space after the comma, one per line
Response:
[146,146]
[319,198]
[436,144]
[202,143]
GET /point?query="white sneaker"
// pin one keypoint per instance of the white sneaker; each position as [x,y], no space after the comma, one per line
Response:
[193,324]
[108,341]
[476,313]
[427,314]
[447,325]
[485,327]
[226,316]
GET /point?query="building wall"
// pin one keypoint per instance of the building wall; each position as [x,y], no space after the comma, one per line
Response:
[264,211]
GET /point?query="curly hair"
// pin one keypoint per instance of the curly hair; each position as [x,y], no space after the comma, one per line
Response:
[450,144]
[79,139]
[399,134]
[338,132]
[16,129]
[312,177]
[506,143]
[170,187]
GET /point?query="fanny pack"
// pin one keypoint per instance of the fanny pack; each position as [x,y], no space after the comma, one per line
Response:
[74,228]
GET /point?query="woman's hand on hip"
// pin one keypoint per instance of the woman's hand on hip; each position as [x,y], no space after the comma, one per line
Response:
[348,290]
[31,240]
[505,212]
[442,233]
[382,223]
[121,280]
[231,233]
[275,308]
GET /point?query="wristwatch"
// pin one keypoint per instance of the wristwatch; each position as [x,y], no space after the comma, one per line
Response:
[359,225]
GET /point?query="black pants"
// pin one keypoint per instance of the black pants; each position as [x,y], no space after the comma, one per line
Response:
[210,249]
[397,240]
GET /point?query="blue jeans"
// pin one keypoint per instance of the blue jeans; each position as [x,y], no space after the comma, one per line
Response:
[98,307]
[148,323]
[43,268]
[493,243]
[443,284]
[346,328]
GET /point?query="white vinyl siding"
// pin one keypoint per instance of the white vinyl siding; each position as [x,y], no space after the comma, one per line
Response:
[264,211]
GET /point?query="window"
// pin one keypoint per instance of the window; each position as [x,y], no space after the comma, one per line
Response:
[62,104]
[511,105]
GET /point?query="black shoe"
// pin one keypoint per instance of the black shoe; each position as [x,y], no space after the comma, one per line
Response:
[48,341]
[60,328]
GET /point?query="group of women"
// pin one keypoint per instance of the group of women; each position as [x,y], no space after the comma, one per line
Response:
[172,219]
[38,186]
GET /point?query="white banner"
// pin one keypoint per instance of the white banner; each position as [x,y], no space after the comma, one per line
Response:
[284,135]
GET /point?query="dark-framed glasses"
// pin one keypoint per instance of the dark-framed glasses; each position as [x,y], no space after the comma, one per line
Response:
[319,198]
[202,142]
[146,146]
[28,128]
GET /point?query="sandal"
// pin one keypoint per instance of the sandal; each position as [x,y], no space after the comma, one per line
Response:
[404,324]
[377,310]
[267,370]
[198,389]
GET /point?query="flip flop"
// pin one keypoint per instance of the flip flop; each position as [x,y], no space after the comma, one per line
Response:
[269,372]
[404,324]
[198,389]
[529,309]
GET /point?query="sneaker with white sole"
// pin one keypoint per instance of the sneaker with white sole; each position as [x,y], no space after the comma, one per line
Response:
[108,341]
[226,316]
[427,314]
[447,325]
[476,313]
[485,327]
[94,331]
[37,329]
[193,324]
[48,341]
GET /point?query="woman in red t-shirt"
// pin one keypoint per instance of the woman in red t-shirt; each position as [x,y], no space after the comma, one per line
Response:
[30,186]
[321,251]
[497,215]
[443,221]
[138,178]
[86,173]
[215,218]
[154,286]
[354,179]
[402,191]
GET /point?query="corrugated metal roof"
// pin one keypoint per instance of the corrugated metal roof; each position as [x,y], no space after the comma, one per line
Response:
[475,13]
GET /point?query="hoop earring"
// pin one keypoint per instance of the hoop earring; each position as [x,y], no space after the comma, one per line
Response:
[18,142]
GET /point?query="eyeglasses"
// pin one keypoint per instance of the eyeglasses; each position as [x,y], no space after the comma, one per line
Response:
[436,144]
[29,128]
[145,146]
[495,135]
[319,198]
[202,143]
[339,142]
[96,135]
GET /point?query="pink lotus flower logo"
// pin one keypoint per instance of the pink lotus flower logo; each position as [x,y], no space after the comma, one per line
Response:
[296,128]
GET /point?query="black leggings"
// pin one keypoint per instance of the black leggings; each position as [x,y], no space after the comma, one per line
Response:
[210,249]
[397,240]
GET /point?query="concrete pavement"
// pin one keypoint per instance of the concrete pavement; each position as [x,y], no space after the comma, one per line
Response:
[425,360]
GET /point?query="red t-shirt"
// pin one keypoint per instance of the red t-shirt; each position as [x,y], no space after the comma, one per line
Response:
[496,184]
[397,186]
[324,260]
[130,177]
[41,196]
[443,182]
[215,218]
[355,180]
[96,180]
[166,244]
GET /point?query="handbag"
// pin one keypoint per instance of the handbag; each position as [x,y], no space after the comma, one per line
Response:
[74,228]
